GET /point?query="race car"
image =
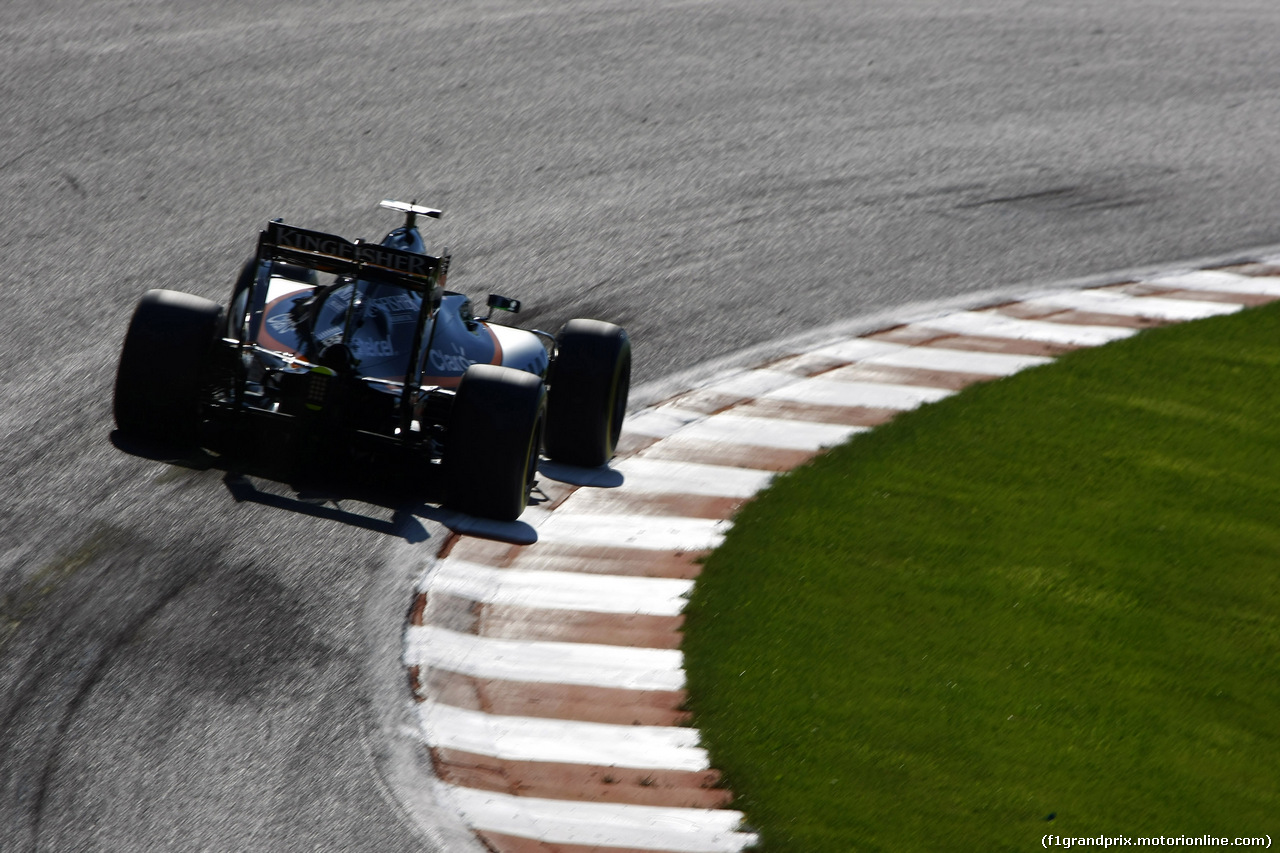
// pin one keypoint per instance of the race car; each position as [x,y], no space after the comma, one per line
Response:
[351,350]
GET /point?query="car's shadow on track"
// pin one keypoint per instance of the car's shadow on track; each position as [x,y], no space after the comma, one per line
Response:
[327,504]
[328,493]
[603,477]
[334,493]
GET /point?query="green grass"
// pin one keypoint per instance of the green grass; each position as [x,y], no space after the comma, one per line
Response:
[1054,594]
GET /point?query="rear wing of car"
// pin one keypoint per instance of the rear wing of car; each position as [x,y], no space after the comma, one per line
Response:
[333,254]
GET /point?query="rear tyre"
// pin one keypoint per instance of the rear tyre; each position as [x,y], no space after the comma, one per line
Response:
[164,367]
[589,380]
[495,433]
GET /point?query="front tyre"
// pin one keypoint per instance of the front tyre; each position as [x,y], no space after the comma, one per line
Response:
[495,434]
[164,367]
[589,380]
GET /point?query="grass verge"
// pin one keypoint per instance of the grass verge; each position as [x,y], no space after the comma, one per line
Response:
[1048,604]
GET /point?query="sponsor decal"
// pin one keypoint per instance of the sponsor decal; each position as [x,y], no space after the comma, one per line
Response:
[281,324]
[372,349]
[450,362]
[329,336]
[402,307]
[329,245]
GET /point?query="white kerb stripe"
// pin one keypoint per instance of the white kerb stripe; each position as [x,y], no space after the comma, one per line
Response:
[649,476]
[1153,307]
[990,324]
[876,395]
[1221,282]
[750,383]
[857,349]
[544,661]
[960,361]
[650,532]
[566,741]
[769,432]
[560,590]
[659,422]
[605,825]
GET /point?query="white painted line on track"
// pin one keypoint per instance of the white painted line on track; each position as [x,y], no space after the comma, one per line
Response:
[562,741]
[604,824]
[549,590]
[876,395]
[990,324]
[1104,302]
[544,661]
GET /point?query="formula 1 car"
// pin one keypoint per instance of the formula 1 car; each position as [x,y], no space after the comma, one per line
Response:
[355,350]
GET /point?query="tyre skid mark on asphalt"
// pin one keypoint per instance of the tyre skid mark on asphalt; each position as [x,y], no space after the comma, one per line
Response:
[547,676]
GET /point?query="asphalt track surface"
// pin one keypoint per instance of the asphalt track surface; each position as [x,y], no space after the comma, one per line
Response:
[191,664]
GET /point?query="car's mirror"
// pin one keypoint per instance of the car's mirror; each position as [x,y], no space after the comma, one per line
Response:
[502,303]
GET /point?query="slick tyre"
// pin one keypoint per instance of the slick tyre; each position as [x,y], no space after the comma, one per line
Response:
[589,380]
[495,435]
[164,367]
